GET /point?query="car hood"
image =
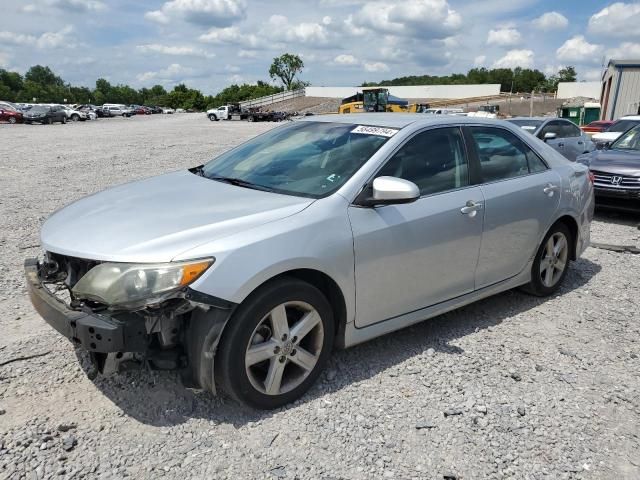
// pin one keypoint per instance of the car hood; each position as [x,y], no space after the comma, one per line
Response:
[155,219]
[606,136]
[620,162]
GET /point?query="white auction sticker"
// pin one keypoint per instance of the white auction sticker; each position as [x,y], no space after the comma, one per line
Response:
[369,130]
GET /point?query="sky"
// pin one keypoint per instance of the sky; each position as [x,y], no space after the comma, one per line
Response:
[209,44]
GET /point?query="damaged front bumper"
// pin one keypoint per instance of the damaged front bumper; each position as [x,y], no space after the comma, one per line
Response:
[183,338]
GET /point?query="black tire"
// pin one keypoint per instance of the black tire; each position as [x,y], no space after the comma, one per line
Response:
[75,118]
[536,286]
[213,118]
[251,118]
[230,368]
[12,120]
[49,121]
[64,120]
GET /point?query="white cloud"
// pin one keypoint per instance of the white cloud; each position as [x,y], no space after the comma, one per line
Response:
[592,75]
[173,72]
[79,6]
[551,21]
[173,50]
[504,37]
[4,59]
[211,13]
[480,60]
[376,67]
[29,8]
[415,18]
[617,20]
[625,50]
[577,49]
[45,40]
[247,54]
[231,36]
[278,28]
[345,60]
[515,58]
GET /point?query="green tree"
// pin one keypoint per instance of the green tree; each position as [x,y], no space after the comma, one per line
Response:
[567,74]
[286,67]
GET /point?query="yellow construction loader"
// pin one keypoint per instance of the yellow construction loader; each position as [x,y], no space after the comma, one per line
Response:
[377,99]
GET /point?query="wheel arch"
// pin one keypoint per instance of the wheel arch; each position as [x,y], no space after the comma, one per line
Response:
[329,288]
[572,225]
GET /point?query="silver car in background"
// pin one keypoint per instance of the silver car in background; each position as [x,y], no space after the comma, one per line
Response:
[562,135]
[245,272]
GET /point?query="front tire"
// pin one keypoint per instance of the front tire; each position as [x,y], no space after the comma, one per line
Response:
[276,344]
[75,118]
[213,118]
[12,120]
[551,263]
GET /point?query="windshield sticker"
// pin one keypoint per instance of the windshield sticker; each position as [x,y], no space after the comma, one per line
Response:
[380,131]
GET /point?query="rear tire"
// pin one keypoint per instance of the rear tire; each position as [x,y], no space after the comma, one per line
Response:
[64,120]
[261,361]
[49,121]
[12,120]
[75,118]
[551,263]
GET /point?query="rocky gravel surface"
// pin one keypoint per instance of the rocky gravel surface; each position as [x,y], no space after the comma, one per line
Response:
[510,387]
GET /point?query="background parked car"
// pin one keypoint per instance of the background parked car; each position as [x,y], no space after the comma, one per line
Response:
[616,129]
[561,135]
[597,126]
[117,111]
[45,114]
[616,172]
[74,115]
[10,116]
[168,110]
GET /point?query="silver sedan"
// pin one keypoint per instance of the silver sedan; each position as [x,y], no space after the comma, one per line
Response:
[245,272]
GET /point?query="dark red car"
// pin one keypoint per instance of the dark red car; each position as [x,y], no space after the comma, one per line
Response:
[597,126]
[10,116]
[140,110]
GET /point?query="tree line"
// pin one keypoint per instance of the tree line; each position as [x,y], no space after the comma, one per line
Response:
[43,85]
[515,80]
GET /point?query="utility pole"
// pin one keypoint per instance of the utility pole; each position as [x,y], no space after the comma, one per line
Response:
[531,104]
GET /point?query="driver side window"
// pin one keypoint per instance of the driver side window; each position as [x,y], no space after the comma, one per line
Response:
[434,160]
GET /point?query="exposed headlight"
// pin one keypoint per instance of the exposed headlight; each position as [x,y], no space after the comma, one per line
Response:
[127,283]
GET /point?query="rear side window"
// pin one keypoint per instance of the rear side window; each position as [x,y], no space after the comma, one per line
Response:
[503,155]
[434,160]
[570,130]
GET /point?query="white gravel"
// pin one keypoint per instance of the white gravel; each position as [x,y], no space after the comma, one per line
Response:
[510,387]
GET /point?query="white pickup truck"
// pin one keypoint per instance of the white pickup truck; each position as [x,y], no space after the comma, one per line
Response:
[220,113]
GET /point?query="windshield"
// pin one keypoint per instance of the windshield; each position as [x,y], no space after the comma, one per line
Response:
[629,140]
[622,125]
[39,109]
[310,159]
[526,124]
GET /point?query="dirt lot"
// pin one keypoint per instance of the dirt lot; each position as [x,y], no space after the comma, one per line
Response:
[510,387]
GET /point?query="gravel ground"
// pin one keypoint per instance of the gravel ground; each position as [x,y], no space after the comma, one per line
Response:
[510,387]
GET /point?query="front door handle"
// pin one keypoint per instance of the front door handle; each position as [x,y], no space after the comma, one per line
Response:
[550,189]
[561,144]
[471,208]
[580,142]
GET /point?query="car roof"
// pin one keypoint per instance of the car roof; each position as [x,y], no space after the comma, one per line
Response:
[539,119]
[397,120]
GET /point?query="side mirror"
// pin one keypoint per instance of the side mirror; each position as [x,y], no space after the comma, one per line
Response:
[389,191]
[602,145]
[549,136]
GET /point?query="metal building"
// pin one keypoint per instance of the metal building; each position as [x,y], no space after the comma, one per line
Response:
[620,93]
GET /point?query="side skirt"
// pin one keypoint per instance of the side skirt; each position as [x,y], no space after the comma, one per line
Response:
[353,335]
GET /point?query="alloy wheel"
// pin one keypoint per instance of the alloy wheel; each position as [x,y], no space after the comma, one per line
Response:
[284,348]
[554,259]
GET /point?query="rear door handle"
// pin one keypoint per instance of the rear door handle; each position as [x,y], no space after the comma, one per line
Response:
[580,142]
[471,208]
[550,189]
[561,144]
